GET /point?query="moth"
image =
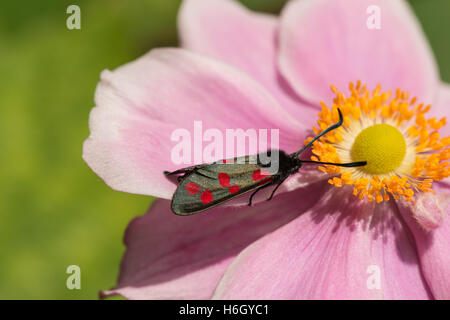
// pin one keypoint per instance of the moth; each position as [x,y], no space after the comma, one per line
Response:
[204,186]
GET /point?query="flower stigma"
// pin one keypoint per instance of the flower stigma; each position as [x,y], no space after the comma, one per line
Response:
[404,151]
[382,146]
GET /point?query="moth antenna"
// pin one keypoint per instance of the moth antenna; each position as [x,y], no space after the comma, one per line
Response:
[333,127]
[347,165]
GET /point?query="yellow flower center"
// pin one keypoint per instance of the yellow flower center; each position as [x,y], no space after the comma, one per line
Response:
[382,146]
[404,152]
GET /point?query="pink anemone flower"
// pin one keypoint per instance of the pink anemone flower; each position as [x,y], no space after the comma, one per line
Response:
[379,232]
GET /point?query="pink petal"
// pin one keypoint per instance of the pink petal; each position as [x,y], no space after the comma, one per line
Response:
[328,42]
[428,211]
[139,105]
[176,257]
[441,108]
[228,31]
[330,252]
[434,246]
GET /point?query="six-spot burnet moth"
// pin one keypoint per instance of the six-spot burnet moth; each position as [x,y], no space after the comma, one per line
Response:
[204,186]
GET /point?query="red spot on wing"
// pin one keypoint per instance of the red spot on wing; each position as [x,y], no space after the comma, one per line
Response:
[206,197]
[192,188]
[234,189]
[260,174]
[224,179]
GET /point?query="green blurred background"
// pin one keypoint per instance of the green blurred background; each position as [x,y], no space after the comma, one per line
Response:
[54,211]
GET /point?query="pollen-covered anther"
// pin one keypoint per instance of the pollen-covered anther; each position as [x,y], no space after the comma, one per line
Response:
[404,150]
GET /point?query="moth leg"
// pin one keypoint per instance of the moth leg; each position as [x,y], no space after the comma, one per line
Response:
[185,170]
[168,173]
[251,197]
[188,173]
[203,175]
[275,189]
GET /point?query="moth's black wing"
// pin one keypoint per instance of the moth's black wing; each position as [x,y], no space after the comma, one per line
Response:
[212,184]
